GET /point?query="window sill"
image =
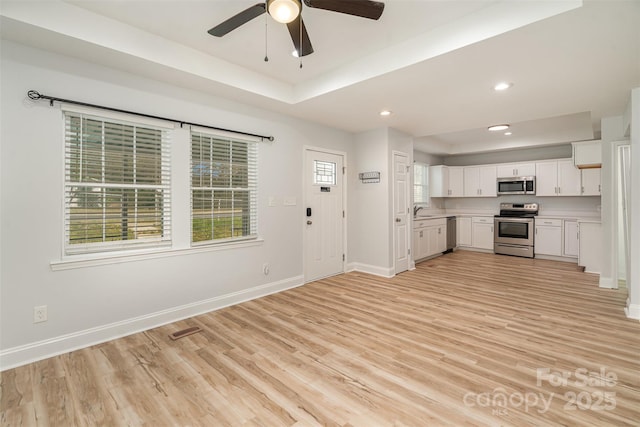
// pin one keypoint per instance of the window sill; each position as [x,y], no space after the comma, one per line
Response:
[82,261]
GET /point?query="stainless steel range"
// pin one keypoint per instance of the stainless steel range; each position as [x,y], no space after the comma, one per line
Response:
[514,229]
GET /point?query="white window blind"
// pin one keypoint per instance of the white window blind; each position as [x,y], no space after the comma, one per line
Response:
[117,185]
[223,188]
[421,184]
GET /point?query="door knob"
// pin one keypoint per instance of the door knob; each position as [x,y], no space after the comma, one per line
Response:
[309,222]
[398,220]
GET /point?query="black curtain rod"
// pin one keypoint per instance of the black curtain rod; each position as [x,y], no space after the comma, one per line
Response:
[35,95]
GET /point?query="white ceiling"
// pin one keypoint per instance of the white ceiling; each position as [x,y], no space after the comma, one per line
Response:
[433,63]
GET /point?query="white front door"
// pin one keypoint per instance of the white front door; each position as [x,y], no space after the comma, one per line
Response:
[401,212]
[323,214]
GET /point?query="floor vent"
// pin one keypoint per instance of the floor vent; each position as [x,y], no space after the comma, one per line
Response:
[185,332]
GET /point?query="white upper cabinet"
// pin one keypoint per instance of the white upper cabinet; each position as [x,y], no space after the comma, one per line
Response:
[591,182]
[568,179]
[439,181]
[509,170]
[446,181]
[456,181]
[557,178]
[587,153]
[480,181]
[547,178]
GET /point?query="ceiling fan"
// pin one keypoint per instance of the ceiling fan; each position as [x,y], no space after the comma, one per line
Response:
[288,12]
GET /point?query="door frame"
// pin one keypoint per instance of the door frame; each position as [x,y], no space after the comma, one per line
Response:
[343,154]
[409,199]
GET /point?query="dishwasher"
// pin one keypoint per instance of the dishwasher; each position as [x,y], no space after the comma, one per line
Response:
[451,233]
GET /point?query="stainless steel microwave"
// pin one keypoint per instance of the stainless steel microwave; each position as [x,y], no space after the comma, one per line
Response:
[517,185]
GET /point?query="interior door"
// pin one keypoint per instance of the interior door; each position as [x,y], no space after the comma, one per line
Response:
[323,214]
[401,212]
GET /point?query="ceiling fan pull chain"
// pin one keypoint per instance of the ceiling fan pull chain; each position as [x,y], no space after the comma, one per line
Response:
[301,49]
[266,23]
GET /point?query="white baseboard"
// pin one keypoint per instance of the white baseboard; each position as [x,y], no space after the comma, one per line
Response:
[371,269]
[22,355]
[607,283]
[557,258]
[632,311]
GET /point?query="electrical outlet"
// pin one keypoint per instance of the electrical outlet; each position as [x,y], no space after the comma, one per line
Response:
[40,314]
[266,268]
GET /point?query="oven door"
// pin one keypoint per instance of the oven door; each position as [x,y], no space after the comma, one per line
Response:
[514,231]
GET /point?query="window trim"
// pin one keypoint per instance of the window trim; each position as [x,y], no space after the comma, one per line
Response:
[252,190]
[117,248]
[107,258]
[427,202]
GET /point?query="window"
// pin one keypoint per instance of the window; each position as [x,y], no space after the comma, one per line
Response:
[117,189]
[223,188]
[421,184]
[324,173]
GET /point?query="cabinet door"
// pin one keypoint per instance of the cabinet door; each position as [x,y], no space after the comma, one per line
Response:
[547,179]
[431,236]
[548,240]
[587,153]
[420,243]
[482,235]
[571,240]
[471,178]
[464,231]
[526,169]
[439,181]
[456,181]
[416,245]
[568,179]
[506,171]
[441,242]
[488,185]
[591,182]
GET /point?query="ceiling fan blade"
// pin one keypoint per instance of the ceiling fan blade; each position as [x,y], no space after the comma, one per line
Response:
[294,30]
[237,20]
[363,8]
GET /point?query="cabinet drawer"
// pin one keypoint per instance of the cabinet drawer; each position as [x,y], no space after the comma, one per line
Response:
[482,219]
[551,222]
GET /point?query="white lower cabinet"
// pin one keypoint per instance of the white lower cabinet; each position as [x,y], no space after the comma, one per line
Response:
[482,232]
[429,237]
[590,256]
[464,234]
[548,237]
[571,239]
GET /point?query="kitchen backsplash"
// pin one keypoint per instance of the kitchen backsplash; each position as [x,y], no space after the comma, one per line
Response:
[578,206]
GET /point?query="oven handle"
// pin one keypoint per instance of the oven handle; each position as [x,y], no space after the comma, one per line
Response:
[512,219]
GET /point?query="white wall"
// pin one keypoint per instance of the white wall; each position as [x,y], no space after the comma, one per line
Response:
[369,243]
[92,304]
[633,282]
[613,130]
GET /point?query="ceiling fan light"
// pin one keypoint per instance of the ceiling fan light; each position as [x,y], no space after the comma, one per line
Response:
[284,11]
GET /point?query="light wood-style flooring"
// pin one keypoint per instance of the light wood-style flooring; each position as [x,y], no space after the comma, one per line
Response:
[458,341]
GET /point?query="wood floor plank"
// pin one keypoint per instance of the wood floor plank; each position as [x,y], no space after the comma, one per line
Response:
[461,340]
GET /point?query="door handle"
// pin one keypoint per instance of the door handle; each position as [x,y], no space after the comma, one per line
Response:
[309,222]
[398,220]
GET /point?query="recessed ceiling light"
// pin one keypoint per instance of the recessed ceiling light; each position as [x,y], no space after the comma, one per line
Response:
[495,128]
[508,133]
[385,113]
[502,86]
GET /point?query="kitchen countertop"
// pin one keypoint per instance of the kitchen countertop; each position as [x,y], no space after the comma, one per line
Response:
[564,216]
